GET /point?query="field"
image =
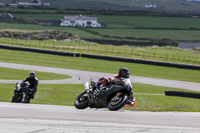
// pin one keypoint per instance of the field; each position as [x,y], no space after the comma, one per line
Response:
[150,27]
[123,27]
[126,21]
[161,5]
[176,35]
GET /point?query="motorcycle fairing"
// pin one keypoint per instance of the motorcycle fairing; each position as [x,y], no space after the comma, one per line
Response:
[101,99]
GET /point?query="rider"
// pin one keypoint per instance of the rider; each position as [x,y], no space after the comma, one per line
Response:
[33,82]
[116,79]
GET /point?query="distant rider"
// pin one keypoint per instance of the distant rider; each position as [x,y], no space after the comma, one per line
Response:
[33,82]
[116,79]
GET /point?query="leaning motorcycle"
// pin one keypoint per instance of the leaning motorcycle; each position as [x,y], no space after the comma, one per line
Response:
[113,97]
[21,93]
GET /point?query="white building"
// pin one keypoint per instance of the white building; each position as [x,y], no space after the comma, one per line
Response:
[150,6]
[82,21]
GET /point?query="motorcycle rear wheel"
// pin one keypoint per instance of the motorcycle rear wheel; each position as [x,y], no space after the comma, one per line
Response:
[81,101]
[117,102]
[27,100]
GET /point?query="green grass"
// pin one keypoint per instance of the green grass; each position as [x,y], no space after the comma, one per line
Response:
[165,103]
[176,35]
[80,63]
[66,94]
[16,74]
[151,89]
[171,6]
[123,21]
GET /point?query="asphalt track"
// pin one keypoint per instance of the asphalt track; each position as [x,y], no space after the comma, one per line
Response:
[79,77]
[35,118]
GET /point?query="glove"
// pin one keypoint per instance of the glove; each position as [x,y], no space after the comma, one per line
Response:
[92,83]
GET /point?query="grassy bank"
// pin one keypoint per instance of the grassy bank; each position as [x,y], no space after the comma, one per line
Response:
[167,53]
[98,65]
[35,27]
[142,34]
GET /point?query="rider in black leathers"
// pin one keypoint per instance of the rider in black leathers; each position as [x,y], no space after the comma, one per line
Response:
[33,82]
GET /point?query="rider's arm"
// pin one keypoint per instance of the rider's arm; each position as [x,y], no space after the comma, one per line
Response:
[35,86]
[25,80]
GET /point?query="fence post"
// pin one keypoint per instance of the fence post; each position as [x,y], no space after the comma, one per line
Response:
[132,51]
[53,44]
[154,54]
[35,43]
[167,56]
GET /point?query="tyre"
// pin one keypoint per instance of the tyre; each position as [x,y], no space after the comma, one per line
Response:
[81,101]
[16,98]
[117,102]
[27,100]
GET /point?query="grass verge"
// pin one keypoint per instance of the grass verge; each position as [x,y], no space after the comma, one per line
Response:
[66,94]
[16,74]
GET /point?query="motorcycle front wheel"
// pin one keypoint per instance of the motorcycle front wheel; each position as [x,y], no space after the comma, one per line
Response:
[117,102]
[16,98]
[81,101]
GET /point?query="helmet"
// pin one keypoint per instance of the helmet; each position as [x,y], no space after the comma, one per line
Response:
[32,74]
[124,72]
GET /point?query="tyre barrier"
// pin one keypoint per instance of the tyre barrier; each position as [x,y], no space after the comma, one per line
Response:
[141,61]
[62,53]
[182,94]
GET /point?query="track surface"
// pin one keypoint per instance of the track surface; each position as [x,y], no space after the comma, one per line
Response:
[32,118]
[79,77]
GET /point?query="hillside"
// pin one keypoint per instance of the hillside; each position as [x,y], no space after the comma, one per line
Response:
[191,6]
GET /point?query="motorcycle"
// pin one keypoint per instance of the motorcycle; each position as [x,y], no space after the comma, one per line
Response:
[112,97]
[21,93]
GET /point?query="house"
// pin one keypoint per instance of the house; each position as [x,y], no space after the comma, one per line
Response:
[33,4]
[6,17]
[150,6]
[2,5]
[82,21]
